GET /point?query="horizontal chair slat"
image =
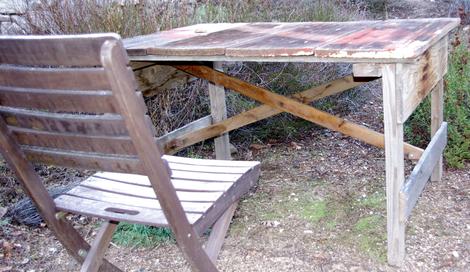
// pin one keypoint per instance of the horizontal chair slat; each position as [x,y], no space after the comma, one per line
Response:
[116,212]
[94,125]
[84,160]
[58,100]
[54,78]
[75,142]
[85,192]
[73,50]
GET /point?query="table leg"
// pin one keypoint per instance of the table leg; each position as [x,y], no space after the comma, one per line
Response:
[222,152]
[219,113]
[437,117]
[394,164]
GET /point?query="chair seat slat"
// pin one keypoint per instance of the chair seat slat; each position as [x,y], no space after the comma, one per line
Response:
[116,211]
[98,195]
[146,192]
[179,184]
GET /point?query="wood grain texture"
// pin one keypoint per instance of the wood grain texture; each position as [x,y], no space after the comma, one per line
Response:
[186,129]
[58,100]
[257,114]
[417,80]
[359,41]
[97,251]
[394,165]
[53,78]
[219,113]
[417,180]
[71,50]
[437,117]
[294,107]
[367,70]
[34,188]
[114,60]
[83,124]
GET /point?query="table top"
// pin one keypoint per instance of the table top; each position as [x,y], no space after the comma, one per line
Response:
[358,41]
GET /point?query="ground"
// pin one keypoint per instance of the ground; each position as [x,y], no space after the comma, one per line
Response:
[318,206]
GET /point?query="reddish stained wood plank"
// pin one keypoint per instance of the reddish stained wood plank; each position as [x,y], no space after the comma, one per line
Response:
[297,39]
[392,39]
[215,43]
[389,39]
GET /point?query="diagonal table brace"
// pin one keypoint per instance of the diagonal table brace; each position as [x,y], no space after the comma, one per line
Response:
[290,105]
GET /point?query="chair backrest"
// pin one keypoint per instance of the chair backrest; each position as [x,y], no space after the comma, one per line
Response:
[72,101]
[59,103]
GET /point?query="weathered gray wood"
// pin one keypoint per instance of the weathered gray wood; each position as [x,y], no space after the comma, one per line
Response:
[94,257]
[415,184]
[219,113]
[367,70]
[116,211]
[394,164]
[58,100]
[93,125]
[33,186]
[418,79]
[84,160]
[54,78]
[121,145]
[437,117]
[71,50]
[114,59]
[193,126]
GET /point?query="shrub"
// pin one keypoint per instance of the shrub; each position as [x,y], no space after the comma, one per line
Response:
[456,111]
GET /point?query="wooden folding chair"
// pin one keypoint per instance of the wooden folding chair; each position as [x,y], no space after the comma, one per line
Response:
[72,101]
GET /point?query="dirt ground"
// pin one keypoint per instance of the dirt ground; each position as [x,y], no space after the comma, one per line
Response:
[319,206]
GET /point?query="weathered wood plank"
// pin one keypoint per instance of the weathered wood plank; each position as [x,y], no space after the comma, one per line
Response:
[415,184]
[94,257]
[53,78]
[93,125]
[188,128]
[394,165]
[259,113]
[116,211]
[437,117]
[121,145]
[58,100]
[84,160]
[367,70]
[71,50]
[219,113]
[294,107]
[417,80]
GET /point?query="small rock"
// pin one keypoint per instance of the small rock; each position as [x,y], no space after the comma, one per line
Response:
[455,254]
[308,231]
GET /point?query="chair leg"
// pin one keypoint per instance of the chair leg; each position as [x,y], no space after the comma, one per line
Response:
[219,230]
[94,257]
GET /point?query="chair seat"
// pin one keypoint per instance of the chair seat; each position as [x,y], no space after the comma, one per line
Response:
[206,188]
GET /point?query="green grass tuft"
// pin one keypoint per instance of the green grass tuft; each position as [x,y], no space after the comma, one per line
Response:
[135,235]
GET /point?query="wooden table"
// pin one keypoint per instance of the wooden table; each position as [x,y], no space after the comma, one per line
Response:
[409,55]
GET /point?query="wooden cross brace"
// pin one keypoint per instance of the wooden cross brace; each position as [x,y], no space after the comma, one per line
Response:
[274,104]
